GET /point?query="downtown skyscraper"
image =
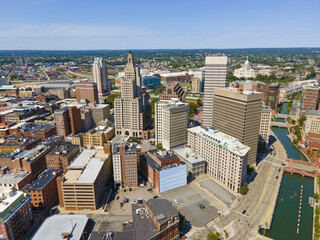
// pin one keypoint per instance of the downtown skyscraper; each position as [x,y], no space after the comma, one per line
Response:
[100,76]
[131,111]
[215,77]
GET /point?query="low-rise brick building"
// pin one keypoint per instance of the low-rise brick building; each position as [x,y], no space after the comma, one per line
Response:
[44,191]
[62,156]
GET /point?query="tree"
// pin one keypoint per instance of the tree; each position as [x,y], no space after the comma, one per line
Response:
[159,146]
[295,141]
[244,188]
[153,101]
[110,99]
[316,197]
[213,236]
[159,91]
[302,119]
[193,109]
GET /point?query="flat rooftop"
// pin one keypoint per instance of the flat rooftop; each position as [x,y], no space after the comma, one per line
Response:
[188,154]
[221,139]
[83,158]
[64,150]
[43,179]
[54,226]
[84,169]
[13,177]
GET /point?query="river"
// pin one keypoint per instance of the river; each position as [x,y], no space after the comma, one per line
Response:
[284,224]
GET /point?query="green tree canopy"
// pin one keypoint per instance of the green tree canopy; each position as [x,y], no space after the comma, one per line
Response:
[110,99]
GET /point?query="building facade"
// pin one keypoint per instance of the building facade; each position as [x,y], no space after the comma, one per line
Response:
[171,122]
[62,120]
[43,190]
[82,186]
[215,77]
[225,155]
[130,110]
[164,170]
[16,214]
[75,120]
[310,98]
[245,71]
[173,90]
[87,90]
[265,123]
[100,76]
[237,113]
[62,156]
[126,158]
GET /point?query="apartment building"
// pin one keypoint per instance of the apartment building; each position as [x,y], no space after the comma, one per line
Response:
[225,155]
[87,90]
[100,112]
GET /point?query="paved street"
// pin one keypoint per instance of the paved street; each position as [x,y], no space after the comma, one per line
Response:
[255,208]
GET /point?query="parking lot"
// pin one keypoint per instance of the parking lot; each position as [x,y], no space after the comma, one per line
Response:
[133,195]
[189,199]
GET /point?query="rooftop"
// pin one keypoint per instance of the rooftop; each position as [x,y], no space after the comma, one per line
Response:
[38,128]
[43,179]
[188,154]
[65,150]
[13,177]
[55,226]
[85,168]
[224,140]
[31,154]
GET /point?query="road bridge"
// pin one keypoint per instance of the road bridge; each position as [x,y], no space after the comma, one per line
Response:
[278,124]
[300,167]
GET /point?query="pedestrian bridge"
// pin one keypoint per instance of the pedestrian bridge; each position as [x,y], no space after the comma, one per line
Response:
[278,124]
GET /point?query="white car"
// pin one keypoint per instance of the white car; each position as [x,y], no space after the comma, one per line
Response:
[176,201]
[134,202]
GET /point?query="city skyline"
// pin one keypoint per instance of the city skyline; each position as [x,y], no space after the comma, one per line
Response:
[76,25]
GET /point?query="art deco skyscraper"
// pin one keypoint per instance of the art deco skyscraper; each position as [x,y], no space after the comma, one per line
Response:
[100,76]
[237,113]
[131,109]
[215,77]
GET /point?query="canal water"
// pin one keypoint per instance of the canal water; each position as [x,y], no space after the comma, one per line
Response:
[284,224]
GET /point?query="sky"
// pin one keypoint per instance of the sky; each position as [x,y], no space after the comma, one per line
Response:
[151,24]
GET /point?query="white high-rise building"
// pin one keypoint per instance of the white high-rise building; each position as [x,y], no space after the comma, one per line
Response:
[100,76]
[130,110]
[265,123]
[226,156]
[171,123]
[214,77]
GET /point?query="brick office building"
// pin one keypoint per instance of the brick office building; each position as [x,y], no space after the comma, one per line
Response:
[310,98]
[75,120]
[62,156]
[88,90]
[44,191]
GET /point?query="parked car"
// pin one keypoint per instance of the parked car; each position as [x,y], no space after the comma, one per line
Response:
[117,197]
[150,190]
[176,201]
[155,197]
[244,211]
[201,206]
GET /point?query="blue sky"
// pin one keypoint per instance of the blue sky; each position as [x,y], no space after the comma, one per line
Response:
[142,24]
